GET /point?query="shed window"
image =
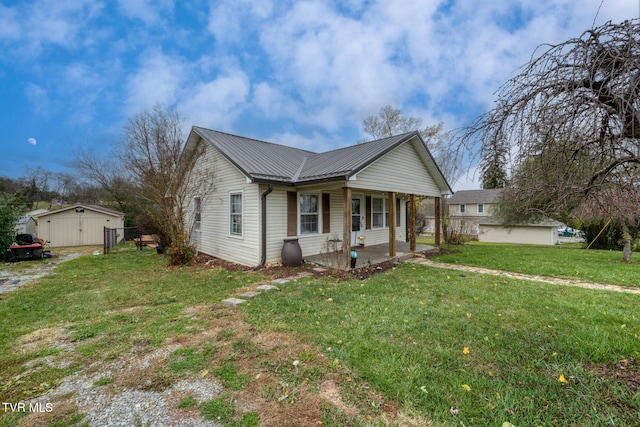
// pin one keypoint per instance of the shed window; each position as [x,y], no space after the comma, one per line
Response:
[309,213]
[235,213]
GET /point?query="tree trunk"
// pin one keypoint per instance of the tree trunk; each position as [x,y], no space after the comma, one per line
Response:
[626,242]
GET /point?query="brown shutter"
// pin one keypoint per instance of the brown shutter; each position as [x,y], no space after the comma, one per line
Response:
[368,212]
[397,212]
[292,213]
[326,213]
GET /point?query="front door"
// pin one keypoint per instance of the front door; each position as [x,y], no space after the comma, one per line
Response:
[357,220]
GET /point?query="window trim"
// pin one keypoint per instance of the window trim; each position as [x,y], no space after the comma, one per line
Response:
[241,214]
[317,214]
[384,212]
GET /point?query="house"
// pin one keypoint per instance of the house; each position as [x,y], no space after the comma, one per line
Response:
[467,208]
[79,225]
[472,212]
[265,194]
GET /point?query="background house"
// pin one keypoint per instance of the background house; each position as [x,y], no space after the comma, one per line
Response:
[78,225]
[265,193]
[467,208]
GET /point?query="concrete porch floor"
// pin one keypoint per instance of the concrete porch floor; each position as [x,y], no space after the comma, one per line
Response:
[368,255]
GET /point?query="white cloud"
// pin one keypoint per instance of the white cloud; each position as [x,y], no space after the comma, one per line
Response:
[158,80]
[46,22]
[146,10]
[38,98]
[217,103]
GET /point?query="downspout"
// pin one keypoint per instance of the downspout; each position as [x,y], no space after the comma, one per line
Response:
[263,228]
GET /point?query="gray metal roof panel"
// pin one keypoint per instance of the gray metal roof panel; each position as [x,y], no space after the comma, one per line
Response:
[255,158]
[349,160]
[269,162]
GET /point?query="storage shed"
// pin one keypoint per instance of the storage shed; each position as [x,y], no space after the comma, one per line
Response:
[79,225]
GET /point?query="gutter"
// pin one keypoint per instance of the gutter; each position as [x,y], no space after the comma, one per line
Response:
[263,228]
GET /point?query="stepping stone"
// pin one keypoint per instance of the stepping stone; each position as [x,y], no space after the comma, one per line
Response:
[233,301]
[281,281]
[266,287]
[319,269]
[250,294]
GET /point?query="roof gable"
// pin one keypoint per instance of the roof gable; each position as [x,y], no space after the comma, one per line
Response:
[263,161]
[88,207]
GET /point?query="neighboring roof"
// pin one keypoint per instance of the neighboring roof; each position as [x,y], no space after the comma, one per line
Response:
[267,162]
[463,197]
[89,207]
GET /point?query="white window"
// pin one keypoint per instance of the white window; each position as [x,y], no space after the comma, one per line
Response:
[377,212]
[235,213]
[463,208]
[309,213]
[480,207]
[197,213]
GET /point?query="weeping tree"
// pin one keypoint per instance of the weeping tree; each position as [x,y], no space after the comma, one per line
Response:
[570,121]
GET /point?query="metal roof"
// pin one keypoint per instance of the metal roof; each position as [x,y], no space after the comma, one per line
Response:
[268,162]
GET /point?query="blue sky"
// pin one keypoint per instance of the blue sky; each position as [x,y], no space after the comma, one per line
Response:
[300,73]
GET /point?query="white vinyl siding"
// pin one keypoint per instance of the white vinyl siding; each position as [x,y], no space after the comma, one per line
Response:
[401,170]
[216,238]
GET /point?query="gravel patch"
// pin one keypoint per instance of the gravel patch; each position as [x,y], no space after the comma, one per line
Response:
[10,281]
[113,406]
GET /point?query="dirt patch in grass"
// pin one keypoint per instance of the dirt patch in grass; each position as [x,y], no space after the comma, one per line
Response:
[44,338]
[625,372]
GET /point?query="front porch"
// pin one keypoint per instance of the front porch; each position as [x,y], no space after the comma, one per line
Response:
[368,255]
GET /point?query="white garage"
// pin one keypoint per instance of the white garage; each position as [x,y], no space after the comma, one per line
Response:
[542,233]
[78,225]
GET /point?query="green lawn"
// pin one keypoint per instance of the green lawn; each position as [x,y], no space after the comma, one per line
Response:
[437,346]
[566,261]
[489,349]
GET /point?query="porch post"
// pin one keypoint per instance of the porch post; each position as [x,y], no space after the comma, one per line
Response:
[346,226]
[392,224]
[412,222]
[436,208]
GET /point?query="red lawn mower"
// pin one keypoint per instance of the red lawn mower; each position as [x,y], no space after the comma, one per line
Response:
[26,247]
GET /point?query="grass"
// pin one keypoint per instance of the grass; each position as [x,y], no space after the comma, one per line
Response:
[566,261]
[425,343]
[486,349]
